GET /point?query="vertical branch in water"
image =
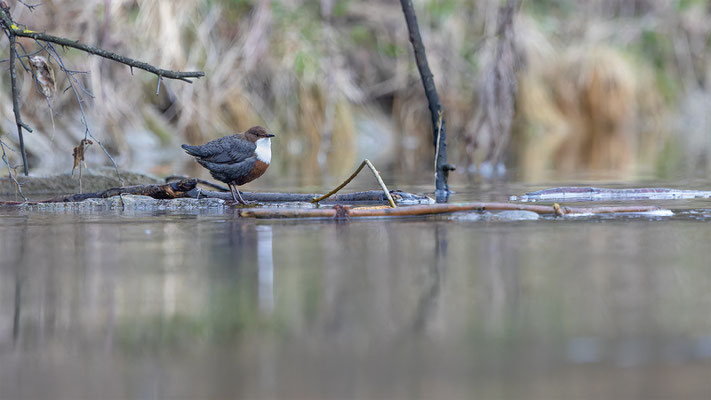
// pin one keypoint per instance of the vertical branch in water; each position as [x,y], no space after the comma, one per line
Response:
[427,305]
[438,127]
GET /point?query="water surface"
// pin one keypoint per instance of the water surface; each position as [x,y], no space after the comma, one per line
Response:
[207,305]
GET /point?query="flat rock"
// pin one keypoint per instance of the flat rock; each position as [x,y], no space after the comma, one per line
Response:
[128,202]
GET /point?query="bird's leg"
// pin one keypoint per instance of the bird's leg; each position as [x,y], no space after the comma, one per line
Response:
[241,200]
[232,192]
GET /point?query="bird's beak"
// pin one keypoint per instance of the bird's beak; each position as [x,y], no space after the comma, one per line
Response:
[270,135]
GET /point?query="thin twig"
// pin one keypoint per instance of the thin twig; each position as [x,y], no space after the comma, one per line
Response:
[341,186]
[16,104]
[350,178]
[31,7]
[87,132]
[439,132]
[9,170]
[382,184]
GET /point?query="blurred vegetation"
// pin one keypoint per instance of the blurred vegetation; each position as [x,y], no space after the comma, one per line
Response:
[603,85]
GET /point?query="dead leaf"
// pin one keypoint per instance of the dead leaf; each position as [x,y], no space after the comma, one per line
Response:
[44,75]
[78,153]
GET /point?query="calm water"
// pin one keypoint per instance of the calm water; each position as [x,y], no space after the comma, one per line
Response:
[207,305]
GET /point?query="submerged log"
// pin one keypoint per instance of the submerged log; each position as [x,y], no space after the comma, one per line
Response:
[172,190]
[187,188]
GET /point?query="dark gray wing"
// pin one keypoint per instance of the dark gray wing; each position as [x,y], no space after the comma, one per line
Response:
[227,149]
[229,172]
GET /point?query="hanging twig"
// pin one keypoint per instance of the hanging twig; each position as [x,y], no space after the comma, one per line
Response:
[78,155]
[12,31]
[377,176]
[16,106]
[9,171]
[72,80]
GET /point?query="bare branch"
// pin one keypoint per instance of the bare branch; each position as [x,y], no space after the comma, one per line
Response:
[183,76]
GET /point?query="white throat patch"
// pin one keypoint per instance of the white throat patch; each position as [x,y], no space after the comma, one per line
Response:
[264,149]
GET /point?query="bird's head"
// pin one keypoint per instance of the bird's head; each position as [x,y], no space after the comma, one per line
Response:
[257,132]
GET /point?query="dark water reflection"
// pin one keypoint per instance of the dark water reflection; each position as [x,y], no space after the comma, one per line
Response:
[206,305]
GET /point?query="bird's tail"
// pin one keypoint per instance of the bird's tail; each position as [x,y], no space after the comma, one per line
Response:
[194,151]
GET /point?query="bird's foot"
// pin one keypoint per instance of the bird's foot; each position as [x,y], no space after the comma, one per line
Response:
[243,204]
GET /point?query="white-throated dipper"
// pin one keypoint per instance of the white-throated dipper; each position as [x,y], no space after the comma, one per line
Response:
[235,159]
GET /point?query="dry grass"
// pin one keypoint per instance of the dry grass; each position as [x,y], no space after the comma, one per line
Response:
[583,103]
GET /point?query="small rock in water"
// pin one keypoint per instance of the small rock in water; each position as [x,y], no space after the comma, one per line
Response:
[515,215]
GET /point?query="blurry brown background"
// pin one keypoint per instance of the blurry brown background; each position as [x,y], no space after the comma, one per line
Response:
[610,86]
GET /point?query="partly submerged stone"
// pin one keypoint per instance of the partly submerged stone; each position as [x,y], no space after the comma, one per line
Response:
[515,215]
[507,215]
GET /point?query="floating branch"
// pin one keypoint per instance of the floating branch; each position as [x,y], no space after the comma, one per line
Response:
[433,209]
